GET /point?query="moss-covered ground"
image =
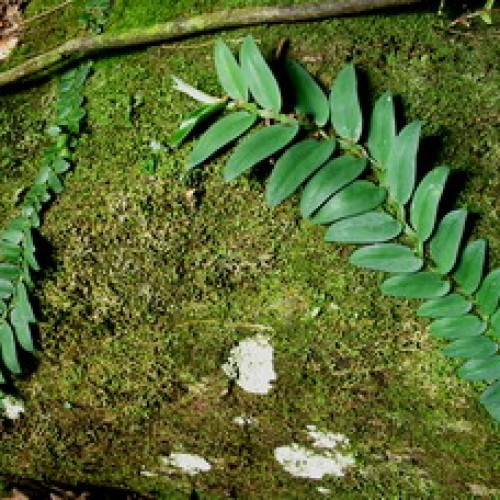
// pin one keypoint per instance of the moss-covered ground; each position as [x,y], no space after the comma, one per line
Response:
[145,289]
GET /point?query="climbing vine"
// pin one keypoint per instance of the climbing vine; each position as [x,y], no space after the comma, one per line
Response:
[366,194]
[17,250]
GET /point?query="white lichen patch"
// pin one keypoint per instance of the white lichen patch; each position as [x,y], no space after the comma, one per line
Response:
[250,364]
[11,408]
[187,462]
[301,461]
[243,421]
[327,440]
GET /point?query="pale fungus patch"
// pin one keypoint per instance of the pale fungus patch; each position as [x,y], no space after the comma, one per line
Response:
[187,462]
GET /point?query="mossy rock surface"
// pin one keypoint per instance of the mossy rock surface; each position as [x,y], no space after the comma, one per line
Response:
[146,286]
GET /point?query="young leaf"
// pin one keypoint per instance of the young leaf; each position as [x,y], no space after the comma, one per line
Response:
[221,133]
[357,198]
[401,163]
[489,293]
[451,306]
[470,268]
[258,147]
[425,202]
[344,105]
[371,227]
[229,72]
[490,399]
[421,285]
[20,322]
[445,244]
[54,182]
[8,347]
[388,257]
[192,120]
[259,77]
[331,178]
[295,166]
[29,251]
[468,325]
[470,348]
[307,95]
[487,369]
[382,129]
[23,302]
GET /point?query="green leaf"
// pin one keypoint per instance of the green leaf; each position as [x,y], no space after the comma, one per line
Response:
[425,202]
[10,253]
[307,95]
[451,306]
[388,257]
[489,293]
[60,166]
[331,178]
[344,105]
[470,268]
[12,236]
[29,251]
[259,77]
[20,322]
[470,347]
[382,129]
[23,301]
[421,285]
[6,288]
[468,325]
[258,147]
[221,133]
[401,163]
[495,322]
[357,198]
[194,118]
[371,227]
[487,369]
[8,347]
[445,244]
[229,72]
[295,166]
[490,399]
[54,182]
[9,271]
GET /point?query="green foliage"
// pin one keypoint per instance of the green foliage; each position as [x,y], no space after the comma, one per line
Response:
[95,15]
[335,192]
[17,250]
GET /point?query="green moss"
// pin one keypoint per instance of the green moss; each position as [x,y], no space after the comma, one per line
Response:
[147,288]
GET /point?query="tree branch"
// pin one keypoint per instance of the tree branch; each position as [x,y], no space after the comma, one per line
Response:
[79,48]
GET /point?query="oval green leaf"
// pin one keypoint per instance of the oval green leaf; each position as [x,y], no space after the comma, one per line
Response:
[402,162]
[8,348]
[425,202]
[24,304]
[470,348]
[344,105]
[307,95]
[259,77]
[451,306]
[487,369]
[195,118]
[468,325]
[489,293]
[445,244]
[495,322]
[295,166]
[388,257]
[421,285]
[258,147]
[470,268]
[6,288]
[229,72]
[371,227]
[330,179]
[357,198]
[221,133]
[20,323]
[490,399]
[382,128]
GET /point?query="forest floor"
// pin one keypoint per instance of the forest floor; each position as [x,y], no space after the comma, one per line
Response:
[144,291]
